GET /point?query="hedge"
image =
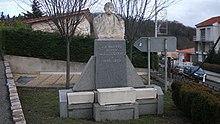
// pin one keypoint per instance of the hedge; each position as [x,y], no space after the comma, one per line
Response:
[211,67]
[25,42]
[29,43]
[197,102]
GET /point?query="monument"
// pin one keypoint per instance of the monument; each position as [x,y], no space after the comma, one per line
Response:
[109,87]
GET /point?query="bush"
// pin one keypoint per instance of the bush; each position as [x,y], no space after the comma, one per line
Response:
[211,67]
[205,109]
[25,42]
[197,102]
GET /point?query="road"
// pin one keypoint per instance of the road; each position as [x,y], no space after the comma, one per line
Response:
[5,110]
[213,85]
[213,80]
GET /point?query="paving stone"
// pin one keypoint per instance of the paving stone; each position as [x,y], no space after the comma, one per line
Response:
[13,90]
[9,76]
[11,85]
[16,112]
[13,94]
[8,70]
[50,81]
[37,81]
[21,122]
[18,118]
[10,81]
[14,100]
[15,103]
[16,107]
[6,63]
[14,97]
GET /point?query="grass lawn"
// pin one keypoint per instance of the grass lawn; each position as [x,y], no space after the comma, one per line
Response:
[42,107]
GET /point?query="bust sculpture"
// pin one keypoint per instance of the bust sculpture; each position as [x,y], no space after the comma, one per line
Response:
[108,25]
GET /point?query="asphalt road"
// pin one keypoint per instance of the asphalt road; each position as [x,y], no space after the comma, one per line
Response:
[212,84]
[5,110]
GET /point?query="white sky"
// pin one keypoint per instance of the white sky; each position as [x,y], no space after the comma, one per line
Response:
[187,12]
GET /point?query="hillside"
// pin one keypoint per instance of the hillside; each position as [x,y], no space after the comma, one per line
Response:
[183,33]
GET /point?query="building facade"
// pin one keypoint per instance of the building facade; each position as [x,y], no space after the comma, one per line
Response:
[207,33]
[45,24]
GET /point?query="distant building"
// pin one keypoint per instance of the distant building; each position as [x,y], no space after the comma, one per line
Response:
[45,24]
[186,55]
[207,33]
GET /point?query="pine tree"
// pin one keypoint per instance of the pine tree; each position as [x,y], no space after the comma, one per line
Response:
[36,12]
[36,9]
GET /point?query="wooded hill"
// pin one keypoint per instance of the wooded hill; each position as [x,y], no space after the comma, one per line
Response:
[184,34]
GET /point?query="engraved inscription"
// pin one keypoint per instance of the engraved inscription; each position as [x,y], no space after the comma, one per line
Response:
[111,52]
[110,64]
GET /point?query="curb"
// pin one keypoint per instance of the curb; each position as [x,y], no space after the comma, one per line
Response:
[16,108]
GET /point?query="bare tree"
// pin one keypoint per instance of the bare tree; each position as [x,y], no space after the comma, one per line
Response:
[66,16]
[135,12]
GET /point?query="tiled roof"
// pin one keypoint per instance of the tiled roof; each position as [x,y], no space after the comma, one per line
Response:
[209,22]
[34,20]
[45,18]
[190,50]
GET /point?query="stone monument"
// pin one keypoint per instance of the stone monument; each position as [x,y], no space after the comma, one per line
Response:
[109,87]
[109,25]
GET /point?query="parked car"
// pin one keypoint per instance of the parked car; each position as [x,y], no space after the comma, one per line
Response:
[177,69]
[194,72]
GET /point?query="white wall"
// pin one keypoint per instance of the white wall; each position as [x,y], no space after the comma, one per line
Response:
[31,65]
[82,29]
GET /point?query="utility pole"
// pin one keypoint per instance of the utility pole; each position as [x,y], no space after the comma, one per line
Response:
[156,18]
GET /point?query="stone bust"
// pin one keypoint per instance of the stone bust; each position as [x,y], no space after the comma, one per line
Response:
[109,25]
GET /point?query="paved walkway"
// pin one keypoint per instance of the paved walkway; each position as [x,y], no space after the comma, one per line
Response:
[5,110]
[44,80]
[51,79]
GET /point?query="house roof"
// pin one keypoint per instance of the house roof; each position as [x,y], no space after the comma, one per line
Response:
[209,21]
[189,50]
[87,13]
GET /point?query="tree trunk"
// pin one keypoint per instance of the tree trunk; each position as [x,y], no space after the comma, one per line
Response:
[130,51]
[67,63]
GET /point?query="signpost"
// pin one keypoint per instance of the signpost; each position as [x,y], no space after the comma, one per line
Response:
[156,44]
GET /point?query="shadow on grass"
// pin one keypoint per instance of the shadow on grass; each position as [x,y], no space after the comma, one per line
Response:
[42,107]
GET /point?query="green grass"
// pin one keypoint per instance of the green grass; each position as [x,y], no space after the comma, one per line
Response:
[42,107]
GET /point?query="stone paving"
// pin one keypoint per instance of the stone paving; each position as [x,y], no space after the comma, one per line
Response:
[46,80]
[52,79]
[14,113]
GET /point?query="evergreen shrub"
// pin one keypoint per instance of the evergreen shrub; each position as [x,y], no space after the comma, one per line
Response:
[197,102]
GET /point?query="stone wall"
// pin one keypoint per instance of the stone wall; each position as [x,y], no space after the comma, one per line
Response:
[31,65]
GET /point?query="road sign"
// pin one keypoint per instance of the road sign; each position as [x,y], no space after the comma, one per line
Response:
[157,44]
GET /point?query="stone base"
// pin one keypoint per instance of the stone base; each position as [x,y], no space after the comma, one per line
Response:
[63,102]
[124,111]
[147,106]
[80,97]
[114,96]
[115,112]
[86,81]
[80,110]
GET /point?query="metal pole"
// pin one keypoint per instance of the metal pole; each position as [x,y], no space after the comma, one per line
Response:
[148,56]
[156,18]
[165,43]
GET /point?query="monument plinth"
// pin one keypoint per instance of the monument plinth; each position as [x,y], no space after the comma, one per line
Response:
[110,63]
[110,75]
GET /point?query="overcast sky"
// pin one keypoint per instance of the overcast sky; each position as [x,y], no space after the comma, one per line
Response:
[187,12]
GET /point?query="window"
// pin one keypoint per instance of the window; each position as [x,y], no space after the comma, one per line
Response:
[202,38]
[208,34]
